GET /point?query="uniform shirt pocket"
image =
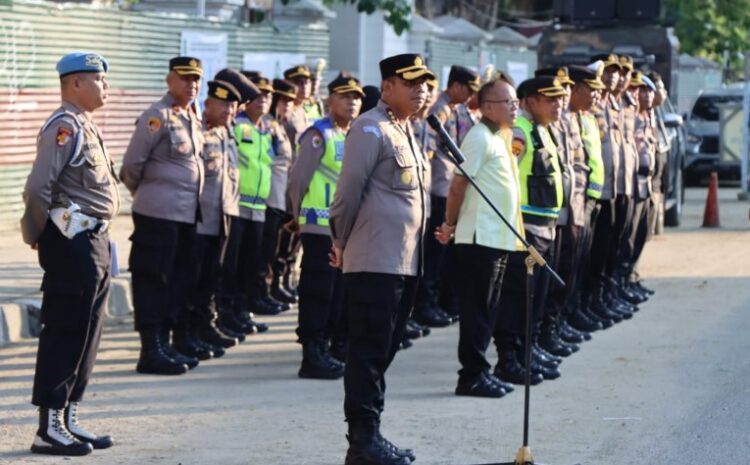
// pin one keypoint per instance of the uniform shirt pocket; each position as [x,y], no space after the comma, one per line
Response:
[404,173]
[179,139]
[95,169]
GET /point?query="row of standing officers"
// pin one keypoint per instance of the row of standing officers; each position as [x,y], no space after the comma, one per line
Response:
[372,200]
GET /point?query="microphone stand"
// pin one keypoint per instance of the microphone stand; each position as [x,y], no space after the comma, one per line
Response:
[523,456]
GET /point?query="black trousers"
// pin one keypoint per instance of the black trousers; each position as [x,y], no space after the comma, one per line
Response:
[204,278]
[510,328]
[287,252]
[378,306]
[620,234]
[275,219]
[76,288]
[568,250]
[481,280]
[639,234]
[320,290]
[241,271]
[160,269]
[434,253]
[593,208]
[601,243]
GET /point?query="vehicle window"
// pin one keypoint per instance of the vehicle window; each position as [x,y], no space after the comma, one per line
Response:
[707,106]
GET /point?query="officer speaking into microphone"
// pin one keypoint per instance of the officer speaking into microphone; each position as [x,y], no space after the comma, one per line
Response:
[377,225]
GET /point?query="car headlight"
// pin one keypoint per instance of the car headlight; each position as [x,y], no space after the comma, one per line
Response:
[693,139]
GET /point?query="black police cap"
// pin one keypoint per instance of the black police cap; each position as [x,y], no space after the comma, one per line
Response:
[345,83]
[263,83]
[584,75]
[560,72]
[223,90]
[185,66]
[407,66]
[464,75]
[248,91]
[609,59]
[285,89]
[547,86]
[298,71]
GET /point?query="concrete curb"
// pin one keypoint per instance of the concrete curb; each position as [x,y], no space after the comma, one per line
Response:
[20,319]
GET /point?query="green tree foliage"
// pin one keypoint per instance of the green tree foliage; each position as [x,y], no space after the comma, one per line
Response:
[707,28]
[396,12]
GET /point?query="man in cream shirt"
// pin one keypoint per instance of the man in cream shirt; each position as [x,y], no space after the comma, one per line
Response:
[483,241]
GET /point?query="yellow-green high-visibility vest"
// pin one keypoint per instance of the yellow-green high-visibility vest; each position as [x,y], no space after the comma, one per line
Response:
[592,144]
[539,172]
[256,153]
[319,195]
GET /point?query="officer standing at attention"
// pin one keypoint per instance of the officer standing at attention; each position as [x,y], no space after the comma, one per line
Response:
[607,113]
[276,208]
[70,196]
[625,184]
[302,115]
[377,224]
[312,187]
[540,178]
[219,200]
[582,121]
[569,226]
[163,169]
[462,83]
[241,283]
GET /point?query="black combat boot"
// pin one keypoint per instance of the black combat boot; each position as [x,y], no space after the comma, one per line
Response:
[430,317]
[75,428]
[54,438]
[366,447]
[185,343]
[261,306]
[318,364]
[175,355]
[228,323]
[508,369]
[153,358]
[408,453]
[208,332]
[547,370]
[551,342]
[248,320]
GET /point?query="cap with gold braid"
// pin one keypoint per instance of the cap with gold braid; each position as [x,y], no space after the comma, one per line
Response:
[464,75]
[608,60]
[561,73]
[186,66]
[407,66]
[223,90]
[263,83]
[298,71]
[641,80]
[244,86]
[285,89]
[251,74]
[547,86]
[345,83]
[584,75]
[626,62]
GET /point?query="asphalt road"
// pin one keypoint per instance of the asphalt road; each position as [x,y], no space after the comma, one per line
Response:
[670,386]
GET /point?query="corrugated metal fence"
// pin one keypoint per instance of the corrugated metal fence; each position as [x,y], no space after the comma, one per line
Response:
[444,53]
[33,36]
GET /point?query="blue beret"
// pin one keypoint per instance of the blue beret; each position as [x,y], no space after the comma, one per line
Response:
[82,62]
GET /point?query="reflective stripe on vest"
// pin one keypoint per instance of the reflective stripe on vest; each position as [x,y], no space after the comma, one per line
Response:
[539,172]
[322,188]
[592,144]
[255,157]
